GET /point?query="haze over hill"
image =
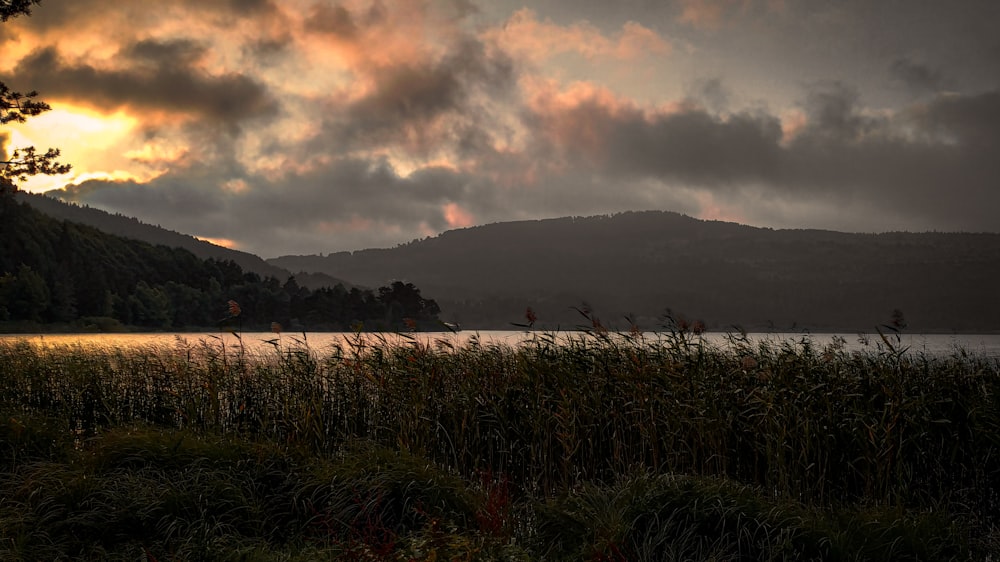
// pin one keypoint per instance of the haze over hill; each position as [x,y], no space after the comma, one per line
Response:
[644,263]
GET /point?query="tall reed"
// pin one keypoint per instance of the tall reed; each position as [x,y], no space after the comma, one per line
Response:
[817,425]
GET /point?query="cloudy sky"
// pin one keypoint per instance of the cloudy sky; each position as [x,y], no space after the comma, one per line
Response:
[305,126]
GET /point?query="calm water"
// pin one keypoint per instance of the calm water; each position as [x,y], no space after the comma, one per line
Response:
[934,344]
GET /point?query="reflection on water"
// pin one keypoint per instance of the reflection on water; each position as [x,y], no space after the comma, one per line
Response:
[321,342]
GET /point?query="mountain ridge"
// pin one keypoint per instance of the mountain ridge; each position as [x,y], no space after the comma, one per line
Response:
[634,267]
[641,264]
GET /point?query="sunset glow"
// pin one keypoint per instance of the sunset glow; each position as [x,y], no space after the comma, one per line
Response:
[224,242]
[75,127]
[315,126]
[457,217]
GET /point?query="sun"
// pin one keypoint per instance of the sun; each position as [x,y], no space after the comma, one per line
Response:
[89,140]
[70,125]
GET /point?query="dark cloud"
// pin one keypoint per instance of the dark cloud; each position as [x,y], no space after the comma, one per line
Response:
[934,164]
[401,145]
[175,52]
[170,201]
[376,14]
[609,16]
[463,8]
[695,147]
[422,106]
[690,146]
[268,51]
[834,112]
[70,14]
[346,204]
[332,20]
[271,214]
[944,176]
[918,78]
[969,122]
[245,6]
[154,75]
[336,20]
[405,92]
[713,93]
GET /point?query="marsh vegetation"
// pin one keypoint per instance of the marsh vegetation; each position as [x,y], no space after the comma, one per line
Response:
[601,446]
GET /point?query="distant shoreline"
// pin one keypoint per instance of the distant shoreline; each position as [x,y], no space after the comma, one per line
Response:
[322,342]
[46,329]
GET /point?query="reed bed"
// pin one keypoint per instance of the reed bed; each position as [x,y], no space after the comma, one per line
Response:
[599,446]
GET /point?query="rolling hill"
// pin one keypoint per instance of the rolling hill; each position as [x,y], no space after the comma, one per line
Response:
[642,264]
[58,275]
[129,227]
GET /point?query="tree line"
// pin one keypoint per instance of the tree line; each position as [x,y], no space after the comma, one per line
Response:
[64,273]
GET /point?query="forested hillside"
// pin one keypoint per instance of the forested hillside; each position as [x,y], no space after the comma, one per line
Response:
[725,274]
[131,227]
[68,275]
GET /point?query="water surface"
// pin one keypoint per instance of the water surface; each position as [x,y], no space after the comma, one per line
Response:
[321,342]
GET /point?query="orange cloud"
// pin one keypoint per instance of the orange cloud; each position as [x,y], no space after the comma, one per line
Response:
[793,122]
[526,37]
[358,36]
[705,14]
[457,217]
[577,115]
[711,209]
[357,77]
[713,14]
[157,153]
[547,95]
[636,41]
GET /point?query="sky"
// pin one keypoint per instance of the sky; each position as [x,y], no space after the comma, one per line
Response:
[307,127]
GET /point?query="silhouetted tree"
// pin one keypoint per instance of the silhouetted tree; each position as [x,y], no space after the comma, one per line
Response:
[16,107]
[14,8]
[404,302]
[24,294]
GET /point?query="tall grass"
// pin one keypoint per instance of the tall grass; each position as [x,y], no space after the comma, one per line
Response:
[550,434]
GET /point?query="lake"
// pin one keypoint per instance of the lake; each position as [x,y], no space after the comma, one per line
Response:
[321,342]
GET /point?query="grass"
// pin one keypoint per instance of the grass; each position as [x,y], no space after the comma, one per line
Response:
[597,446]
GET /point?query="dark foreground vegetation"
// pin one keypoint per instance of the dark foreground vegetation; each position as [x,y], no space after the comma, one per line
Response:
[598,447]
